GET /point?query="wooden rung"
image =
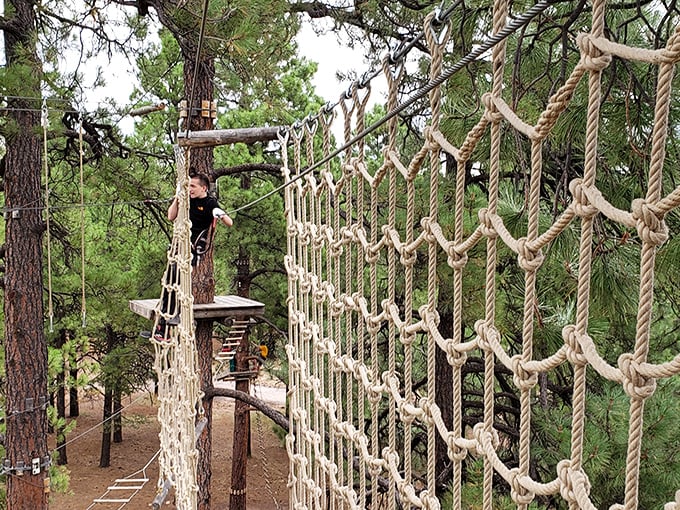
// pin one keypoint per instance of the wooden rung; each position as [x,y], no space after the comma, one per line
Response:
[103,500]
[236,375]
[131,480]
[126,488]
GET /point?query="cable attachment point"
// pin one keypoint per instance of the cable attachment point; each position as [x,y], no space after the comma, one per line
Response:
[396,56]
[44,120]
[365,80]
[282,136]
[311,124]
[439,28]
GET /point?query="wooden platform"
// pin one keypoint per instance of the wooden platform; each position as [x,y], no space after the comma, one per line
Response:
[222,307]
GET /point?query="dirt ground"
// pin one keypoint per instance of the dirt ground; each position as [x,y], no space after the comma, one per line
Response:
[267,471]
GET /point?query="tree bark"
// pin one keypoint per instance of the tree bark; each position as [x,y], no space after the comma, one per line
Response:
[73,403]
[62,458]
[105,454]
[25,346]
[117,417]
[239,459]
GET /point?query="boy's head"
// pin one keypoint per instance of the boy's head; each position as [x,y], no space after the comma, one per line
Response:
[199,185]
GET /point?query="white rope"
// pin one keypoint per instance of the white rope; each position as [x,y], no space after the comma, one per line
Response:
[176,361]
[50,305]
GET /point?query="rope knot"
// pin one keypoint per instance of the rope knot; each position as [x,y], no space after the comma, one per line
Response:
[581,204]
[454,451]
[486,226]
[650,224]
[528,259]
[431,144]
[348,169]
[571,481]
[408,257]
[636,385]
[455,260]
[430,317]
[519,493]
[490,112]
[426,223]
[430,502]
[319,295]
[571,340]
[425,404]
[523,378]
[404,413]
[481,330]
[487,440]
[455,358]
[372,254]
[406,337]
[305,283]
[318,237]
[592,58]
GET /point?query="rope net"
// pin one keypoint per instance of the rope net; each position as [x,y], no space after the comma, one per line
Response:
[364,327]
[176,361]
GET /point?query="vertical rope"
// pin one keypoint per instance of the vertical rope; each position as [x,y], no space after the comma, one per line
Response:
[83,303]
[393,78]
[500,11]
[48,235]
[585,249]
[436,43]
[176,361]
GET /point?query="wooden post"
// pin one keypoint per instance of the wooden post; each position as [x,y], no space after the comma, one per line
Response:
[239,461]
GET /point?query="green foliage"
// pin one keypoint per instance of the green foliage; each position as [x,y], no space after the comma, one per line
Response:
[472,492]
[606,442]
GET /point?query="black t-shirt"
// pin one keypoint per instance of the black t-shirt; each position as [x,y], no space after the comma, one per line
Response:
[201,214]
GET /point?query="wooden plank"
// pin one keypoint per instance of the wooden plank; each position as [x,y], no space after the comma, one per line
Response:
[227,136]
[223,306]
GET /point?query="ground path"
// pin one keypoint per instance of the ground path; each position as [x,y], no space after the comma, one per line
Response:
[267,475]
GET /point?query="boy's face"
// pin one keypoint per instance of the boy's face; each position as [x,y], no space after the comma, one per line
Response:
[196,189]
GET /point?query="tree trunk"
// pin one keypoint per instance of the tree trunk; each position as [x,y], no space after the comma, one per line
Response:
[24,342]
[61,415]
[107,412]
[443,399]
[62,458]
[239,460]
[203,279]
[60,404]
[117,417]
[105,455]
[73,403]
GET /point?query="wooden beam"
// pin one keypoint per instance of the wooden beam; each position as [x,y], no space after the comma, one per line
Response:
[227,136]
[221,307]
